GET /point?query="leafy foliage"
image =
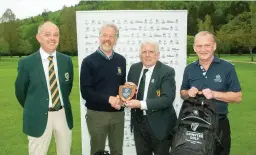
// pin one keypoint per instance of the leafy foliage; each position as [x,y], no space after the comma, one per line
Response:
[232,21]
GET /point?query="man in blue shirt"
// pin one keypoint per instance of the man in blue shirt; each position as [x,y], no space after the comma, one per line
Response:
[214,78]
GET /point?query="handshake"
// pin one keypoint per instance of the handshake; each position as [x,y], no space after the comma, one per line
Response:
[124,99]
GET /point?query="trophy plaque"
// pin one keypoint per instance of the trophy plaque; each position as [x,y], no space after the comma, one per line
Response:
[126,92]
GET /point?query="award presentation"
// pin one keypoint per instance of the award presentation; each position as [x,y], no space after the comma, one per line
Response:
[168,28]
[126,92]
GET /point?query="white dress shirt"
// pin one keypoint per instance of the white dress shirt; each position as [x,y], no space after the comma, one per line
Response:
[147,81]
[45,62]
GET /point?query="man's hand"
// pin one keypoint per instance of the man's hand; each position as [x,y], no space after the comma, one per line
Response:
[208,93]
[130,83]
[192,92]
[115,102]
[133,104]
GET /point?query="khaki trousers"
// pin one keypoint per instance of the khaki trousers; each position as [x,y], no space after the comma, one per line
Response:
[102,124]
[56,125]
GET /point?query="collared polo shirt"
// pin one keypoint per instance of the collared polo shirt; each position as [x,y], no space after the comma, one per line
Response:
[220,76]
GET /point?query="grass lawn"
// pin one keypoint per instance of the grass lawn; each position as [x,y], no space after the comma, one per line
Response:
[14,142]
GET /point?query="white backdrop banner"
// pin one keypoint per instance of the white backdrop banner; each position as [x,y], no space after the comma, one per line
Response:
[168,28]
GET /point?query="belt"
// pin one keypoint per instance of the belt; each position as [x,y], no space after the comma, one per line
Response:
[50,109]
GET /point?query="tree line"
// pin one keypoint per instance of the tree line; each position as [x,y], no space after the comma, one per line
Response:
[232,22]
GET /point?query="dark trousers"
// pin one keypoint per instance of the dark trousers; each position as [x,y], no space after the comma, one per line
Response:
[225,137]
[145,141]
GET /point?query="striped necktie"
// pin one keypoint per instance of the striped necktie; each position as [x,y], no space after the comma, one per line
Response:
[55,96]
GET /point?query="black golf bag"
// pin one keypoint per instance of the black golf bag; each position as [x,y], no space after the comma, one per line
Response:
[196,131]
[102,152]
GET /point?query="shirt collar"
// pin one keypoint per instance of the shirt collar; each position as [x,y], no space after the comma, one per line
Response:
[45,55]
[104,55]
[215,60]
[150,69]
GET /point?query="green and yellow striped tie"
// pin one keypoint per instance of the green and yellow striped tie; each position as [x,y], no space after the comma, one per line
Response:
[55,96]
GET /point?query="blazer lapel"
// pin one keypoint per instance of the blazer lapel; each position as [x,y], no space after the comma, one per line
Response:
[137,70]
[153,79]
[38,61]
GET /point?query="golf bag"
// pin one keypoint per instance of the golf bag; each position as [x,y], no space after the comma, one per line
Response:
[196,131]
[102,152]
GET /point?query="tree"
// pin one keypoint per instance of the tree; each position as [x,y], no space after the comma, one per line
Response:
[205,8]
[68,37]
[192,15]
[238,7]
[206,25]
[190,44]
[253,28]
[8,16]
[241,30]
[45,15]
[223,45]
[4,47]
[11,33]
[29,32]
[25,48]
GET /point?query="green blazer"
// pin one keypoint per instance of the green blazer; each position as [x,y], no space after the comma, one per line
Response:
[32,93]
[161,94]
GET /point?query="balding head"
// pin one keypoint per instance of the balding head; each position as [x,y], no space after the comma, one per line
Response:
[46,24]
[48,36]
[205,33]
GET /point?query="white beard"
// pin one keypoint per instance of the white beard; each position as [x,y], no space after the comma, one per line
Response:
[106,47]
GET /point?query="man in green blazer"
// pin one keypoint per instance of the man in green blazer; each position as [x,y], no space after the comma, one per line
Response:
[42,87]
[153,114]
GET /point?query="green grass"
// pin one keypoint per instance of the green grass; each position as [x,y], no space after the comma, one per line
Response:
[13,142]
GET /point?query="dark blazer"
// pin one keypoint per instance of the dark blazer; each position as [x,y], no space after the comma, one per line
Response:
[32,93]
[161,114]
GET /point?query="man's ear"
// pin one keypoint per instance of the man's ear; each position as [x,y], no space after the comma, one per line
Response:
[214,46]
[194,48]
[38,38]
[158,55]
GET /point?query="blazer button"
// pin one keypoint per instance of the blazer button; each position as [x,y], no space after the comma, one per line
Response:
[46,113]
[47,99]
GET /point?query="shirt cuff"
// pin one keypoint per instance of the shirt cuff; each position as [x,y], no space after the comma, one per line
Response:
[143,105]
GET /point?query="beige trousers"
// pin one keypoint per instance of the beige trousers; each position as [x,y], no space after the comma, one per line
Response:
[56,125]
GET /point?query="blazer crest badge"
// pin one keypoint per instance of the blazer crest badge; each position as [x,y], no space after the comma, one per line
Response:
[158,93]
[66,76]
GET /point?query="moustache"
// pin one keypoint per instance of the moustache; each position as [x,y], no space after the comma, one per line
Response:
[107,42]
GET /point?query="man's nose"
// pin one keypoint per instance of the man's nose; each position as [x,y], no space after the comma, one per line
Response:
[147,53]
[52,37]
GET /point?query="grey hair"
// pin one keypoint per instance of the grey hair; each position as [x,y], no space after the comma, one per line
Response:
[204,33]
[112,26]
[150,42]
